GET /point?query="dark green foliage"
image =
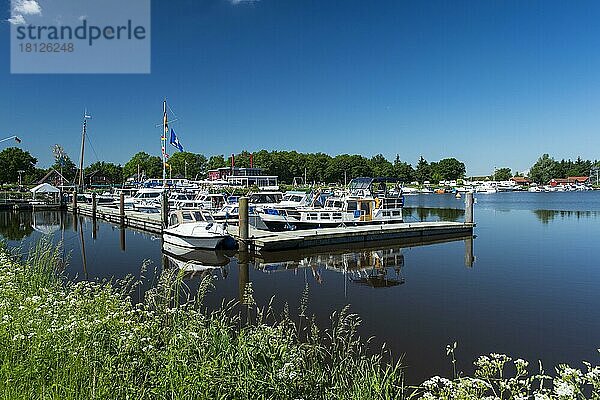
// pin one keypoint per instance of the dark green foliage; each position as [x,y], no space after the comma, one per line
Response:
[502,174]
[12,160]
[150,166]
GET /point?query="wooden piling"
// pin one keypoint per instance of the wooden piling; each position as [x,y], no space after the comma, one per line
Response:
[122,208]
[469,208]
[243,221]
[164,209]
[94,206]
[75,201]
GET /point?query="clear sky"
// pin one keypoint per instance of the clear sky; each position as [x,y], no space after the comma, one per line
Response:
[492,83]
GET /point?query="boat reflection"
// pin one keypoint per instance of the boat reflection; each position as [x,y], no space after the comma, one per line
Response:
[374,264]
[374,268]
[196,263]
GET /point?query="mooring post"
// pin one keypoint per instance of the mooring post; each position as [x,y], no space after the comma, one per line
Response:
[469,208]
[75,201]
[94,227]
[94,206]
[164,209]
[122,208]
[243,222]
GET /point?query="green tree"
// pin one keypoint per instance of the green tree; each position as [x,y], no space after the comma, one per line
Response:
[12,160]
[192,163]
[544,169]
[316,165]
[113,172]
[150,166]
[217,161]
[403,171]
[380,166]
[449,169]
[423,170]
[347,166]
[502,174]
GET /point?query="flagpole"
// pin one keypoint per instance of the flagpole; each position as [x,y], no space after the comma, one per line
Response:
[164,142]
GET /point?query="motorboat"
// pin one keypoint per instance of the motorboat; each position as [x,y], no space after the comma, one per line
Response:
[259,200]
[196,229]
[203,200]
[368,201]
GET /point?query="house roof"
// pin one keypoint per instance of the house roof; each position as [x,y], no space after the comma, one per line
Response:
[55,172]
[522,179]
[578,178]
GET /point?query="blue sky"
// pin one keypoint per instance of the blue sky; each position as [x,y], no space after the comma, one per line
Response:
[492,83]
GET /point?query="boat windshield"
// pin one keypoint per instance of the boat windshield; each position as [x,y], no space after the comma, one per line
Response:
[295,198]
[265,198]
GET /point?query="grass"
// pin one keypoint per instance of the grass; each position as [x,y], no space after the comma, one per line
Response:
[86,340]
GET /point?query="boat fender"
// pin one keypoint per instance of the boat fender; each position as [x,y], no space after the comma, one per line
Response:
[209,226]
[377,202]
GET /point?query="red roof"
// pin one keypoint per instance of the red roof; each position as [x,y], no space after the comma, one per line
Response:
[520,179]
[579,179]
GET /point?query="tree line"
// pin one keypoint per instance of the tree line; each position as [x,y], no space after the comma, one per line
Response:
[547,168]
[287,165]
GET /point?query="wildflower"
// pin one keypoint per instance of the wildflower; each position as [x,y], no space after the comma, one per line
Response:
[563,389]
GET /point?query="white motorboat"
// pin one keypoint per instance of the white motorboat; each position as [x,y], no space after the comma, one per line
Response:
[196,230]
[368,202]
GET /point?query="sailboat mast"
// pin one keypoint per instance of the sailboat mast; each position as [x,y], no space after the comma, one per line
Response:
[164,142]
[85,117]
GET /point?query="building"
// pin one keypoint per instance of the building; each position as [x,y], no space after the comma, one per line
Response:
[55,178]
[571,180]
[521,180]
[244,177]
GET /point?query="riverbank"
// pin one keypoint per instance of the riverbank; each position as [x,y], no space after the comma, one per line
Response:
[88,340]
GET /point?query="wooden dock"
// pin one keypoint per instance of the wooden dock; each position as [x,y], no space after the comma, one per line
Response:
[260,241]
[265,241]
[132,219]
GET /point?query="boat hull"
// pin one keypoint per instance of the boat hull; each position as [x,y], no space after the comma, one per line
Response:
[279,226]
[190,242]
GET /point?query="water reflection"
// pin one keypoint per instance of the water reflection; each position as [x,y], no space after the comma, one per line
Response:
[376,264]
[546,216]
[430,214]
[196,263]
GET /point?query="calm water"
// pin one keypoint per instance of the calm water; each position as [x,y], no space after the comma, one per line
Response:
[532,292]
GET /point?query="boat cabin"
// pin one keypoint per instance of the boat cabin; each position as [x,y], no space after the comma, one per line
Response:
[186,216]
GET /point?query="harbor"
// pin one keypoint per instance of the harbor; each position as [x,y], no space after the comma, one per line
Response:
[296,200]
[259,240]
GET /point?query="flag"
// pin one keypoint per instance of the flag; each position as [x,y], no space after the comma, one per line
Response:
[174,141]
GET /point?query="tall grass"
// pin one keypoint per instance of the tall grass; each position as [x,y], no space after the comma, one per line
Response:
[87,340]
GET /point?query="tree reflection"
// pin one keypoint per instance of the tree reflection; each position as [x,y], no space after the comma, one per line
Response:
[433,214]
[545,216]
[15,225]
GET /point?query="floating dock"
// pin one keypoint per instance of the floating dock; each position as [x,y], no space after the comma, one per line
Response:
[131,219]
[261,241]
[265,241]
